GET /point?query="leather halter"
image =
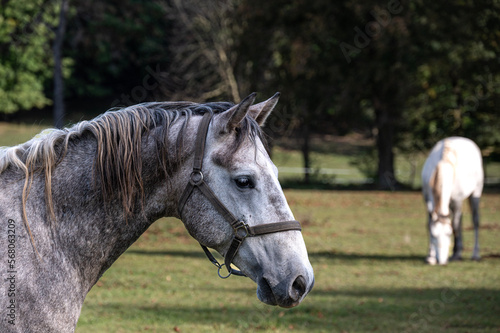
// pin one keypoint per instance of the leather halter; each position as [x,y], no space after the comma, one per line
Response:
[441,216]
[241,229]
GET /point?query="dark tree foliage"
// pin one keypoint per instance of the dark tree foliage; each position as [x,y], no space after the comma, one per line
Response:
[408,72]
[25,56]
[458,90]
[119,49]
[412,72]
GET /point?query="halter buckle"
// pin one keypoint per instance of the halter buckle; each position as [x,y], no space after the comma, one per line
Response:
[196,178]
[241,230]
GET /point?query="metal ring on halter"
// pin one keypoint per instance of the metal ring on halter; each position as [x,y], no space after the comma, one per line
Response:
[218,272]
[241,230]
[196,178]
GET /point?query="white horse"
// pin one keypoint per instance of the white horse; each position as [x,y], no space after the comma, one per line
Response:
[452,172]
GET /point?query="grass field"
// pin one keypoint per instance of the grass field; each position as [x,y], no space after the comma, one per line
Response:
[367,249]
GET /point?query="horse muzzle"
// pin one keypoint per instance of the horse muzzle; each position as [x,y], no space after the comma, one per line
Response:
[286,294]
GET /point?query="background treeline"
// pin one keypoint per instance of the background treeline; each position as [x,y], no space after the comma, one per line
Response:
[407,73]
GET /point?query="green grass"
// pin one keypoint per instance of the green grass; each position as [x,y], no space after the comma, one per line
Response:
[367,250]
[328,167]
[13,134]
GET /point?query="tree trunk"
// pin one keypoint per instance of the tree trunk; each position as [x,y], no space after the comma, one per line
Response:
[386,179]
[58,76]
[306,153]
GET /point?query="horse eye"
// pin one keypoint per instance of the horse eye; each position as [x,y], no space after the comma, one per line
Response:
[244,182]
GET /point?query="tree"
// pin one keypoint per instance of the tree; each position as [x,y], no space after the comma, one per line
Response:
[58,66]
[204,57]
[119,50]
[285,46]
[25,61]
[379,61]
[398,67]
[459,84]
[337,61]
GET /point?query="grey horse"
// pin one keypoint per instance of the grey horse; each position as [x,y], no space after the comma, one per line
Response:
[73,200]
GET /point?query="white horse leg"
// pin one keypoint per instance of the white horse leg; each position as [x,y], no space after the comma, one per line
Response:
[474,203]
[456,207]
[431,256]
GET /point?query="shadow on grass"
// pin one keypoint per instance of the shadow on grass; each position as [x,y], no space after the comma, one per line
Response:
[387,310]
[385,257]
[330,255]
[321,254]
[358,256]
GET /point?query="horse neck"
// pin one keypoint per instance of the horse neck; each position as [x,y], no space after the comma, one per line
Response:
[442,187]
[449,154]
[102,228]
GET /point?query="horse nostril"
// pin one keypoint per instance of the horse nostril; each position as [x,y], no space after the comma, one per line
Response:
[298,288]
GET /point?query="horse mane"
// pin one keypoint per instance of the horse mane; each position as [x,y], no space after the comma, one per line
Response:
[118,161]
[448,156]
[436,184]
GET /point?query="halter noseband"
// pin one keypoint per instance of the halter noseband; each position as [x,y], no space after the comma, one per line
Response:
[441,216]
[241,229]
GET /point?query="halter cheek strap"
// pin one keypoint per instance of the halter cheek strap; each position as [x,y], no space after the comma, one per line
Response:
[241,229]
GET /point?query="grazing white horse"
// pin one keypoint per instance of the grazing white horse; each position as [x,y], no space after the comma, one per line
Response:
[452,172]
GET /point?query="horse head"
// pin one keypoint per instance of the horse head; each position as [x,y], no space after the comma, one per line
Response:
[440,236]
[239,173]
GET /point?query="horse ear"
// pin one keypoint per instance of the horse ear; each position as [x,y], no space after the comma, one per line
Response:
[262,110]
[238,112]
